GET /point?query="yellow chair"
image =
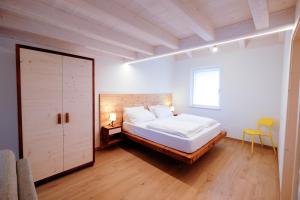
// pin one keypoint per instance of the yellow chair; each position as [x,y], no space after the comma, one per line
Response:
[263,122]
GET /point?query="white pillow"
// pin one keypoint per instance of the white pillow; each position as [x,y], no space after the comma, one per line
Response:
[161,111]
[138,116]
[131,109]
[152,108]
[134,108]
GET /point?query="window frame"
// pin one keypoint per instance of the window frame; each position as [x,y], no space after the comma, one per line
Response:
[203,69]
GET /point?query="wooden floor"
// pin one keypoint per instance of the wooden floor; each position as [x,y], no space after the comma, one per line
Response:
[131,171]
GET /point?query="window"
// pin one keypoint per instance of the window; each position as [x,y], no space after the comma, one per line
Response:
[205,88]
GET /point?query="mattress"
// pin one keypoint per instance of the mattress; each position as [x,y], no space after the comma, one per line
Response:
[187,145]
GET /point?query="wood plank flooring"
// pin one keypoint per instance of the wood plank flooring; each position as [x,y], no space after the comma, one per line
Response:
[131,171]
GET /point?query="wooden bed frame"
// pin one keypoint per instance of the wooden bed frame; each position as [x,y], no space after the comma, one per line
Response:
[116,102]
[188,158]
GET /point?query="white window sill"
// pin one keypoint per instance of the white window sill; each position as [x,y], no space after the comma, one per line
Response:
[206,107]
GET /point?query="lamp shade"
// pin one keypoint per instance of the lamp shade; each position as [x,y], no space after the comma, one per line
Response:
[172,108]
[112,117]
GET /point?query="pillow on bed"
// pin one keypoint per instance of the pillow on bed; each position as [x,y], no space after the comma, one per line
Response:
[131,109]
[135,108]
[137,116]
[161,111]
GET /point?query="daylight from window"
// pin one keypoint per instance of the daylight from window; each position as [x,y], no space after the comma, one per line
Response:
[206,88]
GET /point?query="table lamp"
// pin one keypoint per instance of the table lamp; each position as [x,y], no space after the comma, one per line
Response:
[112,118]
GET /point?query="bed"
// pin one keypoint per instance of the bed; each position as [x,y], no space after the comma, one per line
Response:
[187,145]
[186,149]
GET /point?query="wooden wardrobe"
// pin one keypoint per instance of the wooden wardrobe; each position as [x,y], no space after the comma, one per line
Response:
[56,111]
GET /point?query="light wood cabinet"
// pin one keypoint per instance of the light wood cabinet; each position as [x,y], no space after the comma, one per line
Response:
[77,102]
[56,111]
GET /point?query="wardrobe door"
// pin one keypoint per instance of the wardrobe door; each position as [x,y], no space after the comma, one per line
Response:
[41,101]
[78,111]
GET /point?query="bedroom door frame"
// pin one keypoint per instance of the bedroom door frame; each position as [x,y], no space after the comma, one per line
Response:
[291,160]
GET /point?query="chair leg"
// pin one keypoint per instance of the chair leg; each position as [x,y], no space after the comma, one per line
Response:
[271,139]
[261,142]
[243,138]
[252,145]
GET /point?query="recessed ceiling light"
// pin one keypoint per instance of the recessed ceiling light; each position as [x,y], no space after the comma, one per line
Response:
[214,49]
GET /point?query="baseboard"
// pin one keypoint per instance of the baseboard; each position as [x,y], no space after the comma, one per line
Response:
[64,173]
[246,141]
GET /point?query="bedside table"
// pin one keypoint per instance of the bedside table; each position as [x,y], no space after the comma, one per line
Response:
[110,135]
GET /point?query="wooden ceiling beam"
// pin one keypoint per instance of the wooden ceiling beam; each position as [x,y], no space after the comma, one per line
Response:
[32,39]
[16,22]
[260,13]
[193,19]
[243,30]
[243,44]
[110,12]
[47,14]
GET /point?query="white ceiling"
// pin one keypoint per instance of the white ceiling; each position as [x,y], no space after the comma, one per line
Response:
[134,29]
[263,41]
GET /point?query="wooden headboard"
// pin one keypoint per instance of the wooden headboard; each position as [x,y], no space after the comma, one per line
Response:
[116,102]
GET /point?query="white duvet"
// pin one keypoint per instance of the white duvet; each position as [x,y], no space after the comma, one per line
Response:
[183,125]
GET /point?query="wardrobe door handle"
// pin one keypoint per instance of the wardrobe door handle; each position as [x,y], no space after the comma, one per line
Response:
[67,119]
[59,118]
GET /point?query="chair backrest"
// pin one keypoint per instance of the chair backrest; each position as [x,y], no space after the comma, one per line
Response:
[266,122]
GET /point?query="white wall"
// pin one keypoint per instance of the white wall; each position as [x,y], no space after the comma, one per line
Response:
[284,101]
[8,101]
[110,76]
[153,76]
[250,81]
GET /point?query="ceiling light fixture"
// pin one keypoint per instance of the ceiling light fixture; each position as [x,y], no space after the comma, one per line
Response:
[269,32]
[214,49]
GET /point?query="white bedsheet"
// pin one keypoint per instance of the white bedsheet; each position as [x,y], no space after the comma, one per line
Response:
[188,145]
[183,125]
[205,121]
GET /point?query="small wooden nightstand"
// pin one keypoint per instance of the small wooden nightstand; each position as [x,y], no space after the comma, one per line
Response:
[110,135]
